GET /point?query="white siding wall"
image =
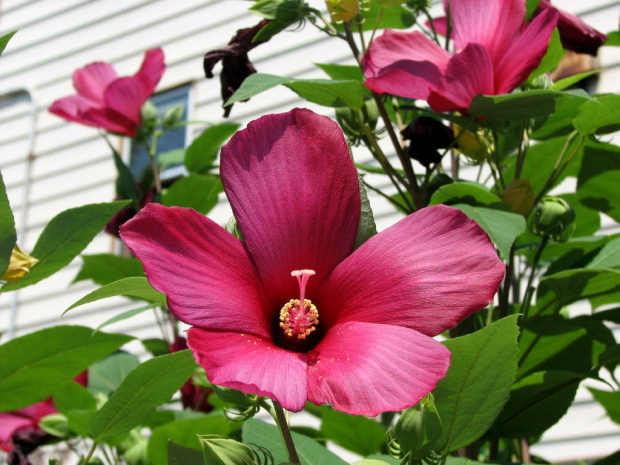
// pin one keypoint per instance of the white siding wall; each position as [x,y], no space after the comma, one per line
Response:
[71,165]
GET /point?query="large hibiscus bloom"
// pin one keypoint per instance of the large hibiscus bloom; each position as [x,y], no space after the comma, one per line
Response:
[107,101]
[495,52]
[293,312]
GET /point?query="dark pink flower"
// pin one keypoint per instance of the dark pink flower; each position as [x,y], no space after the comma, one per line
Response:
[108,102]
[575,34]
[495,52]
[21,420]
[363,339]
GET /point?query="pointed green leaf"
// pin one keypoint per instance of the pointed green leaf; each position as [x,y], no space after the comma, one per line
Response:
[8,236]
[64,237]
[599,116]
[582,283]
[466,193]
[4,40]
[137,287]
[330,93]
[106,268]
[105,376]
[608,257]
[201,154]
[194,191]
[34,366]
[515,106]
[344,72]
[361,435]
[147,387]
[610,402]
[477,385]
[597,183]
[255,84]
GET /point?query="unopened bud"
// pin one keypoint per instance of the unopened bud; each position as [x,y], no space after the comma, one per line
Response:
[472,144]
[419,429]
[350,123]
[519,196]
[19,264]
[554,218]
[343,10]
[148,112]
[220,450]
[172,116]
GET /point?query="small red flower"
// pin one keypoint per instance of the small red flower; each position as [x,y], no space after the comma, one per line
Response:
[292,312]
[108,102]
[495,52]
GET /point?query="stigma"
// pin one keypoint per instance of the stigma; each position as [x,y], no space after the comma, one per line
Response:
[299,317]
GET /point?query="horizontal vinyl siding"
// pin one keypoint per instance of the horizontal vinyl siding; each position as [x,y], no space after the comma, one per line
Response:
[73,165]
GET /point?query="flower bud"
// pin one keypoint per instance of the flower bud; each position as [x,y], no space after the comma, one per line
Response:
[419,429]
[350,124]
[343,10]
[472,144]
[519,196]
[554,218]
[20,264]
[172,116]
[220,450]
[148,112]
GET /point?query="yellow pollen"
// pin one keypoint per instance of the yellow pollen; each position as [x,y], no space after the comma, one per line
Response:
[299,322]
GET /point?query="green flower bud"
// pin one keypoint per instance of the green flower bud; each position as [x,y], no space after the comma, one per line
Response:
[553,218]
[418,429]
[172,116]
[220,450]
[148,112]
[350,123]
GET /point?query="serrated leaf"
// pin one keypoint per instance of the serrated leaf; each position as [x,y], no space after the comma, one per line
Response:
[35,365]
[477,385]
[64,237]
[149,385]
[136,287]
[8,236]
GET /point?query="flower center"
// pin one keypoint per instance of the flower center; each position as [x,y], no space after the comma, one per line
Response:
[299,317]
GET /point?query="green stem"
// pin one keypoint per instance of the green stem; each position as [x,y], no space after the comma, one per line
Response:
[405,208]
[90,453]
[525,306]
[285,431]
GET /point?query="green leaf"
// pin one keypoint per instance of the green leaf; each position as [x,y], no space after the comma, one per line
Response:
[8,236]
[394,17]
[106,268]
[367,227]
[255,84]
[560,122]
[194,191]
[501,226]
[178,455]
[572,285]
[515,106]
[466,193]
[201,154]
[613,38]
[342,72]
[184,433]
[330,93]
[170,158]
[477,385]
[64,237]
[4,40]
[610,402]
[552,58]
[574,79]
[599,116]
[105,376]
[74,396]
[361,435]
[126,187]
[597,183]
[34,366]
[536,403]
[608,257]
[147,387]
[136,287]
[125,315]
[265,435]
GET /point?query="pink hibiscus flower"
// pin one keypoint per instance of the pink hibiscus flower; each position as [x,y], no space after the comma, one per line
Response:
[21,420]
[495,52]
[108,102]
[292,312]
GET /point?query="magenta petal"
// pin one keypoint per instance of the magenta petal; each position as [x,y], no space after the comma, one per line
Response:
[251,364]
[126,96]
[295,193]
[10,423]
[151,70]
[406,79]
[526,53]
[494,24]
[469,73]
[92,81]
[204,270]
[427,272]
[367,369]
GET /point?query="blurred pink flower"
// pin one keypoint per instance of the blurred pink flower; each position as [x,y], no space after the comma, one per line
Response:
[575,34]
[292,312]
[108,102]
[23,419]
[495,52]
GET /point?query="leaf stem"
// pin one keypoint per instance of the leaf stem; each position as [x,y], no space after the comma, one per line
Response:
[285,431]
[525,305]
[90,453]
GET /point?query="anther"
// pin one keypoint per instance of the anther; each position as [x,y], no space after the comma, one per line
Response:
[299,317]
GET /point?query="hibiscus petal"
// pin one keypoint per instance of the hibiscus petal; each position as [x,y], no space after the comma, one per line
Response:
[251,364]
[367,369]
[411,79]
[526,53]
[10,423]
[126,96]
[427,272]
[204,270]
[469,73]
[295,193]
[92,81]
[151,71]
[494,24]
[395,46]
